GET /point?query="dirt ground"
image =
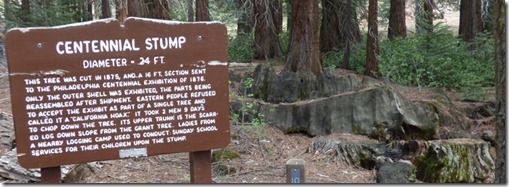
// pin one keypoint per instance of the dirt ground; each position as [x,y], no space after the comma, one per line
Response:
[263,154]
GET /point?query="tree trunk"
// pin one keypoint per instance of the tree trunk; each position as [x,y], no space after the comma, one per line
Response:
[340,25]
[348,33]
[121,11]
[304,48]
[330,30]
[277,12]
[134,8]
[289,18]
[202,10]
[372,43]
[428,14]
[105,9]
[25,11]
[397,23]
[424,17]
[190,10]
[245,23]
[353,31]
[90,10]
[500,86]
[267,44]
[470,19]
[487,15]
[159,9]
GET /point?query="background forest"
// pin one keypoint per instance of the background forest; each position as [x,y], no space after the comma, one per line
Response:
[399,42]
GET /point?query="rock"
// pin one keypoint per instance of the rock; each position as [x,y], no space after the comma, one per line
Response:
[488,136]
[358,153]
[224,154]
[402,171]
[454,161]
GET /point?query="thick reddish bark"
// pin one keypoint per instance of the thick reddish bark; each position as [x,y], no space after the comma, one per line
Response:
[397,23]
[470,19]
[304,49]
[105,9]
[202,10]
[267,44]
[372,48]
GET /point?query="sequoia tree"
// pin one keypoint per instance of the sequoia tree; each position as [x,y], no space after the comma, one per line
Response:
[105,9]
[500,87]
[470,19]
[339,25]
[202,10]
[397,23]
[267,29]
[330,35]
[372,48]
[304,49]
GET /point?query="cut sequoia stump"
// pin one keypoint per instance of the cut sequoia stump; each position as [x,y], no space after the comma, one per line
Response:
[330,103]
[456,160]
[359,153]
[439,161]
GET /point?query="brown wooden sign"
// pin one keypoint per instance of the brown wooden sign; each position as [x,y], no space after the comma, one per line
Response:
[100,91]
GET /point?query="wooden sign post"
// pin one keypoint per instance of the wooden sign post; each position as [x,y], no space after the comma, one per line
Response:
[295,171]
[101,91]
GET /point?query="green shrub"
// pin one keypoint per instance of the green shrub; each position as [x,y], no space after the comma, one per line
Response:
[240,48]
[357,57]
[438,59]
